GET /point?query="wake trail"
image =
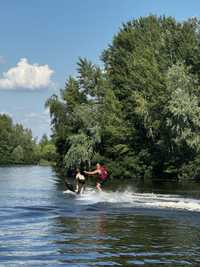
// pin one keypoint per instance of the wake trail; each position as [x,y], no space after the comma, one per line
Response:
[129,198]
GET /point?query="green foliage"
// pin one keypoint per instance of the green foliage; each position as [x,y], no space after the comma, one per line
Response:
[140,114]
[190,170]
[183,108]
[46,150]
[18,154]
[17,145]
[49,152]
[81,150]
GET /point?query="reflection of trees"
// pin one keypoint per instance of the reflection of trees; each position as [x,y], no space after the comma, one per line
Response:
[83,237]
[93,228]
[122,238]
[102,223]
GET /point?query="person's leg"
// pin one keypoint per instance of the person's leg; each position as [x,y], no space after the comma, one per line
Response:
[83,188]
[98,186]
[77,187]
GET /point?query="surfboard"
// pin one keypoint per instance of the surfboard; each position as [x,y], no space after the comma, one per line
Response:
[70,187]
[70,193]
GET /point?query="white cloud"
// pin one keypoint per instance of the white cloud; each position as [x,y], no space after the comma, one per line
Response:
[27,76]
[6,113]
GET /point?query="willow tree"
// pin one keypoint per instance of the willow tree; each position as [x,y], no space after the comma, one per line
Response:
[75,116]
[182,117]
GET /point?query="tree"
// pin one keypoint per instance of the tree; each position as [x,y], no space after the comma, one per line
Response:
[18,154]
[49,152]
[139,113]
[17,144]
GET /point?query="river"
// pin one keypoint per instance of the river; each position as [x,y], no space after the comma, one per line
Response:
[41,225]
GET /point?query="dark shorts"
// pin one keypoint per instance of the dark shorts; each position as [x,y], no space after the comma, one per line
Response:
[101,182]
[81,182]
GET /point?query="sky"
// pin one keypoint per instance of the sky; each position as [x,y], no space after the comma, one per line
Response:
[41,41]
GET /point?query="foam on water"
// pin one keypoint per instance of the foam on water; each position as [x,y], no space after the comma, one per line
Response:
[129,198]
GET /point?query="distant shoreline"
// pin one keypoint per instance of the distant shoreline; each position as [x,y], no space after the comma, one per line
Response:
[43,163]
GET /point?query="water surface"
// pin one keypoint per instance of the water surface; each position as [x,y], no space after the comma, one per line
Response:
[41,225]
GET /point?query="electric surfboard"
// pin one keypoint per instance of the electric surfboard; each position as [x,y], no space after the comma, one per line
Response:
[69,187]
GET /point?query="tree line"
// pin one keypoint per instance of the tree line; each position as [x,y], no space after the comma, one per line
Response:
[17,145]
[139,111]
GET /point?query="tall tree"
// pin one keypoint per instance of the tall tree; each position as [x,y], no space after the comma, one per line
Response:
[140,112]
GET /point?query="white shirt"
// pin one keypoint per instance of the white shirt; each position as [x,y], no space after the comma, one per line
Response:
[80,177]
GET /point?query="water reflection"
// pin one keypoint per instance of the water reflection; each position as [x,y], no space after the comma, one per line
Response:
[122,240]
[39,225]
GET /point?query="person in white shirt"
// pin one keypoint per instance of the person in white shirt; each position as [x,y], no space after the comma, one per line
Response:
[80,182]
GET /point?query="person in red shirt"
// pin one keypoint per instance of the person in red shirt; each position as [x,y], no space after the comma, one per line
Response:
[102,173]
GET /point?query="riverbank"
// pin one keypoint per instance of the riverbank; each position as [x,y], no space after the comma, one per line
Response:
[40,163]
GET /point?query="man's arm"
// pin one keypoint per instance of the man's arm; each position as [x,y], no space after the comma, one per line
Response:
[92,173]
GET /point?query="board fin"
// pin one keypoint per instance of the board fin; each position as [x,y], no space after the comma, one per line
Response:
[69,186]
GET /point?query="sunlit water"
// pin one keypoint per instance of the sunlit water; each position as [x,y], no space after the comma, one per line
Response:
[43,225]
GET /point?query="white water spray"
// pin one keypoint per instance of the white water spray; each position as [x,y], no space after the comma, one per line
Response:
[129,198]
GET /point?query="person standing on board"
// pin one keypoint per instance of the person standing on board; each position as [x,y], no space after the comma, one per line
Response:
[80,182]
[102,173]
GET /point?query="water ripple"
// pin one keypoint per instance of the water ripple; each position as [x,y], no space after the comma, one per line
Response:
[41,226]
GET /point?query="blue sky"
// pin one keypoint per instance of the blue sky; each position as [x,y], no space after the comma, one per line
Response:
[41,41]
